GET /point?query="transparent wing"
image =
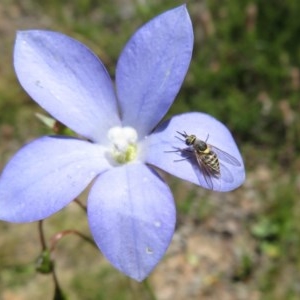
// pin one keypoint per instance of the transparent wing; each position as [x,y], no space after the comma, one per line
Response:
[203,172]
[206,172]
[222,155]
[225,174]
[201,169]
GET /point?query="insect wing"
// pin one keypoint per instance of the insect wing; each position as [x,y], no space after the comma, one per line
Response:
[222,155]
[226,174]
[206,172]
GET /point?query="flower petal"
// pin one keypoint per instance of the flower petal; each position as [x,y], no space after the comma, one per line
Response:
[182,163]
[67,80]
[132,218]
[152,67]
[46,175]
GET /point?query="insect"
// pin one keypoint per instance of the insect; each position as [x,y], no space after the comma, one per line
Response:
[207,157]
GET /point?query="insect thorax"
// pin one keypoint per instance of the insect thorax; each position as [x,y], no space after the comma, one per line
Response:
[201,146]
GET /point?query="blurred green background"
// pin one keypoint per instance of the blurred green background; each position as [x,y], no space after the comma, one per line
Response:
[245,72]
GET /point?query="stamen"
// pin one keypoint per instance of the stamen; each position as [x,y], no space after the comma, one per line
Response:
[124,147]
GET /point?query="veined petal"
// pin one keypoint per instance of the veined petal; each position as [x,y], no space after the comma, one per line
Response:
[45,175]
[152,67]
[132,218]
[183,163]
[67,80]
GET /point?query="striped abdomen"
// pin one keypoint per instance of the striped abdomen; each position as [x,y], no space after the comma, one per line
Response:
[210,159]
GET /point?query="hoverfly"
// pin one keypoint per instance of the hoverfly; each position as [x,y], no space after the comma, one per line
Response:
[207,157]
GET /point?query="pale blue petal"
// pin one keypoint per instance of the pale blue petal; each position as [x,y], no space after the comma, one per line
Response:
[132,218]
[165,138]
[45,175]
[152,67]
[67,80]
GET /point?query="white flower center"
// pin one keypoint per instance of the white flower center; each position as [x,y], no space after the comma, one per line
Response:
[124,144]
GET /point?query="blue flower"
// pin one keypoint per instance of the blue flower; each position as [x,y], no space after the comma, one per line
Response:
[131,211]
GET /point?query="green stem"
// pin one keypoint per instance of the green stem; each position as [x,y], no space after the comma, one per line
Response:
[42,236]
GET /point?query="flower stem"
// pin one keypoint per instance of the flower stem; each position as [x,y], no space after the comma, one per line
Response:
[54,240]
[42,235]
[58,294]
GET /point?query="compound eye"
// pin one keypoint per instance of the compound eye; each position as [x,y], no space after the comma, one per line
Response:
[188,141]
